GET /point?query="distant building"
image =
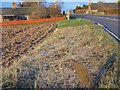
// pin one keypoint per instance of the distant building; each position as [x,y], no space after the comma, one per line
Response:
[103,6]
[97,7]
[81,11]
[14,13]
[22,11]
[10,14]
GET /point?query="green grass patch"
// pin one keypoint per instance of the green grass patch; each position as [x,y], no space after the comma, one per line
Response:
[96,31]
[73,23]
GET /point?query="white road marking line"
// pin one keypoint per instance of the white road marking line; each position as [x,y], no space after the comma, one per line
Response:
[115,36]
[107,30]
[107,18]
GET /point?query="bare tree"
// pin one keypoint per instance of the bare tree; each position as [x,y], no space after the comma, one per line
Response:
[39,10]
[55,11]
[101,1]
[36,9]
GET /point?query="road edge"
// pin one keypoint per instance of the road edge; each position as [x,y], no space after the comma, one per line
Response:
[112,34]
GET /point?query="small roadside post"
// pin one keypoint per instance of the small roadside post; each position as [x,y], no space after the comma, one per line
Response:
[64,13]
[68,15]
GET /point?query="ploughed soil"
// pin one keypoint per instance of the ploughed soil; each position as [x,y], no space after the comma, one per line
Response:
[71,57]
[19,40]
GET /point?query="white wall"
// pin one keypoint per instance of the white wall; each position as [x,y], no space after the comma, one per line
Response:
[27,17]
[1,18]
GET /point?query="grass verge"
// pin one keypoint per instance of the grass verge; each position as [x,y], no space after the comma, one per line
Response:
[73,23]
[76,39]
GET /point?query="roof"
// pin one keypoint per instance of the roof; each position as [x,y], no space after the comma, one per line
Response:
[101,6]
[15,11]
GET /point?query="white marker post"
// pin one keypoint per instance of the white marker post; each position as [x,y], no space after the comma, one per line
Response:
[68,15]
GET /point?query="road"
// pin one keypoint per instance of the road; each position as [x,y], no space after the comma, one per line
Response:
[111,23]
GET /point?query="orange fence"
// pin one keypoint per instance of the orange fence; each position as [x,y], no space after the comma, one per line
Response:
[31,21]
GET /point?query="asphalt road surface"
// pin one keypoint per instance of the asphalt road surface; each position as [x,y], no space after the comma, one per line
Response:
[111,23]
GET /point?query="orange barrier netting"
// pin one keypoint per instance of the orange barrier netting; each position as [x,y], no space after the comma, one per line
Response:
[31,21]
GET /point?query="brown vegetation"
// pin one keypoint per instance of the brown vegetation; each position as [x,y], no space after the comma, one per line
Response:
[111,11]
[37,11]
[18,40]
[82,73]
[48,64]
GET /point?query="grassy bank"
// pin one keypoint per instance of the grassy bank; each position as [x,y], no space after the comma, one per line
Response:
[73,23]
[48,64]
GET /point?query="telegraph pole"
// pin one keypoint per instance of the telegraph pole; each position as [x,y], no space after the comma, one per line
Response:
[90,2]
[89,6]
[13,5]
[55,5]
[38,2]
[116,1]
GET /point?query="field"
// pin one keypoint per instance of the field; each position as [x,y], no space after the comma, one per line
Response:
[77,53]
[18,40]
